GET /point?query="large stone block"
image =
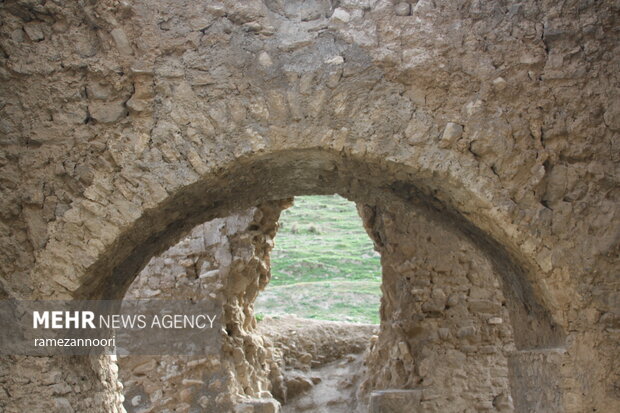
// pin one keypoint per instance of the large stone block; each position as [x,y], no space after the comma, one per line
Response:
[536,380]
[259,406]
[395,401]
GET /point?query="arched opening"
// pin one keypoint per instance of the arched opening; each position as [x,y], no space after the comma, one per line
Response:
[290,173]
[392,199]
[320,311]
[323,265]
[312,364]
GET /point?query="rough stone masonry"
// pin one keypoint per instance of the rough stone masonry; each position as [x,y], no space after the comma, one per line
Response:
[123,125]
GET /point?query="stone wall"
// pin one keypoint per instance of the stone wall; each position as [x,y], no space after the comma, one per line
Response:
[445,327]
[225,260]
[125,124]
[48,384]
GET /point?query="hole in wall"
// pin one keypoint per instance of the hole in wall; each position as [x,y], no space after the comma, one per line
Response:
[321,308]
[317,343]
[323,265]
[440,294]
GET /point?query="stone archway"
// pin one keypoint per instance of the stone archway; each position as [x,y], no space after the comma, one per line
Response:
[442,307]
[157,117]
[275,177]
[267,177]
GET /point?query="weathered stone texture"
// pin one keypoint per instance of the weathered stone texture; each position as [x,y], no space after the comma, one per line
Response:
[226,260]
[445,328]
[125,124]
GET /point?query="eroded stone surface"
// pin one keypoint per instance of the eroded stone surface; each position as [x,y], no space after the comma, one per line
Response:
[395,401]
[440,293]
[227,261]
[208,129]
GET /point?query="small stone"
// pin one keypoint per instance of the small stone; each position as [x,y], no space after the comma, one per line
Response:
[402,9]
[403,349]
[63,405]
[437,303]
[107,112]
[203,402]
[34,32]
[268,30]
[210,275]
[95,90]
[487,350]
[341,15]
[137,105]
[145,368]
[87,46]
[444,333]
[466,332]
[136,400]
[499,83]
[305,358]
[122,44]
[238,356]
[17,35]
[61,389]
[182,408]
[252,26]
[185,395]
[451,134]
[60,27]
[186,263]
[453,300]
[192,382]
[484,306]
[495,320]
[336,60]
[333,78]
[264,59]
[298,385]
[467,349]
[503,402]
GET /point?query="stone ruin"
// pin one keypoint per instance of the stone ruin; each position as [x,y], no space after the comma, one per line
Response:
[448,332]
[479,141]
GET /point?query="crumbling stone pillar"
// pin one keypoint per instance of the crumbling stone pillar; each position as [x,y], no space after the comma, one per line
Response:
[225,260]
[445,330]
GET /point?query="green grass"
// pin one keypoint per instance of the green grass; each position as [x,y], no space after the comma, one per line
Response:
[323,264]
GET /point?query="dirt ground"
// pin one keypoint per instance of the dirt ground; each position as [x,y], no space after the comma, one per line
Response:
[322,362]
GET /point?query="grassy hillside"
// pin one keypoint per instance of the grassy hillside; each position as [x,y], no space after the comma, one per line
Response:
[323,265]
